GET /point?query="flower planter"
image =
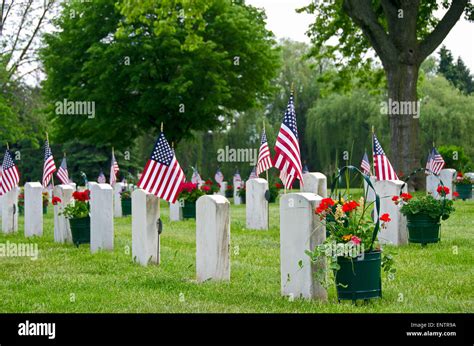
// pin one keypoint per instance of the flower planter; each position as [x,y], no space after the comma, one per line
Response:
[126,206]
[229,193]
[423,229]
[189,210]
[359,278]
[45,210]
[80,230]
[464,190]
[21,210]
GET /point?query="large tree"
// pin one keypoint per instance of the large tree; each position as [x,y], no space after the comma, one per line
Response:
[157,61]
[403,34]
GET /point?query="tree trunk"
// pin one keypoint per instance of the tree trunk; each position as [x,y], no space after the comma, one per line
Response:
[404,128]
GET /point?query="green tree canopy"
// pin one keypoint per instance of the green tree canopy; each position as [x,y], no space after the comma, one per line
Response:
[144,65]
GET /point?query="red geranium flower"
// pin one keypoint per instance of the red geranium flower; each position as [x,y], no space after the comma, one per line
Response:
[205,188]
[229,187]
[385,217]
[406,196]
[460,174]
[208,182]
[349,206]
[324,205]
[278,185]
[56,200]
[395,198]
[455,194]
[443,190]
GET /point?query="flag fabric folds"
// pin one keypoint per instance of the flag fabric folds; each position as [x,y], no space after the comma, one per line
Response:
[49,167]
[264,160]
[162,175]
[365,164]
[63,174]
[253,174]
[101,178]
[382,166]
[9,175]
[237,181]
[435,162]
[196,177]
[114,169]
[219,177]
[287,148]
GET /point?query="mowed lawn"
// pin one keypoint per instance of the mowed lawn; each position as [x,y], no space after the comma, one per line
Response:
[437,278]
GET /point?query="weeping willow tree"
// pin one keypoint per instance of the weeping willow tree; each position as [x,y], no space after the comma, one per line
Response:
[339,127]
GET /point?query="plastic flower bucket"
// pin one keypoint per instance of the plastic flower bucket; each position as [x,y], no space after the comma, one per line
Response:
[45,210]
[360,277]
[189,210]
[80,230]
[423,229]
[464,190]
[126,206]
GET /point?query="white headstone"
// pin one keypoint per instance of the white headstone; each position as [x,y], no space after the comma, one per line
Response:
[396,232]
[33,209]
[237,199]
[10,211]
[176,211]
[73,185]
[212,238]
[257,205]
[62,230]
[446,176]
[315,182]
[300,230]
[102,217]
[145,238]
[118,187]
[223,188]
[367,190]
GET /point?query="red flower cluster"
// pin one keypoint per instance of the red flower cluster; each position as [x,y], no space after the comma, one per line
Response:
[349,206]
[205,188]
[385,217]
[443,190]
[455,194]
[278,185]
[81,196]
[406,196]
[230,187]
[56,200]
[324,205]
[188,187]
[209,182]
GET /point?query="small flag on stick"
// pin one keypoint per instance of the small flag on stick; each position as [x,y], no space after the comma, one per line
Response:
[114,169]
[9,175]
[62,173]
[383,167]
[49,167]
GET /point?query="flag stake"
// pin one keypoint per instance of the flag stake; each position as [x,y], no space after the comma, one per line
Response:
[161,126]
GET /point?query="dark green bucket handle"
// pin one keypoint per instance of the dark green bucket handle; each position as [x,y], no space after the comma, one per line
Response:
[338,179]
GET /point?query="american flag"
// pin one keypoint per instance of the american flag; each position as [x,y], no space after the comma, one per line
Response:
[264,160]
[253,174]
[114,168]
[365,164]
[287,148]
[237,179]
[196,178]
[435,161]
[382,166]
[9,175]
[162,175]
[219,177]
[62,173]
[101,178]
[49,167]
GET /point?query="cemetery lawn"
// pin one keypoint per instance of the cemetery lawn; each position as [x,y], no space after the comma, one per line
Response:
[437,278]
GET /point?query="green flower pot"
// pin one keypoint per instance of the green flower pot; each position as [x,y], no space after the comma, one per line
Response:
[45,210]
[80,230]
[242,199]
[126,206]
[21,210]
[464,190]
[229,193]
[423,229]
[359,278]
[189,210]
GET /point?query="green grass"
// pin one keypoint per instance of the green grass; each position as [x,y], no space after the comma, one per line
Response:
[430,279]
